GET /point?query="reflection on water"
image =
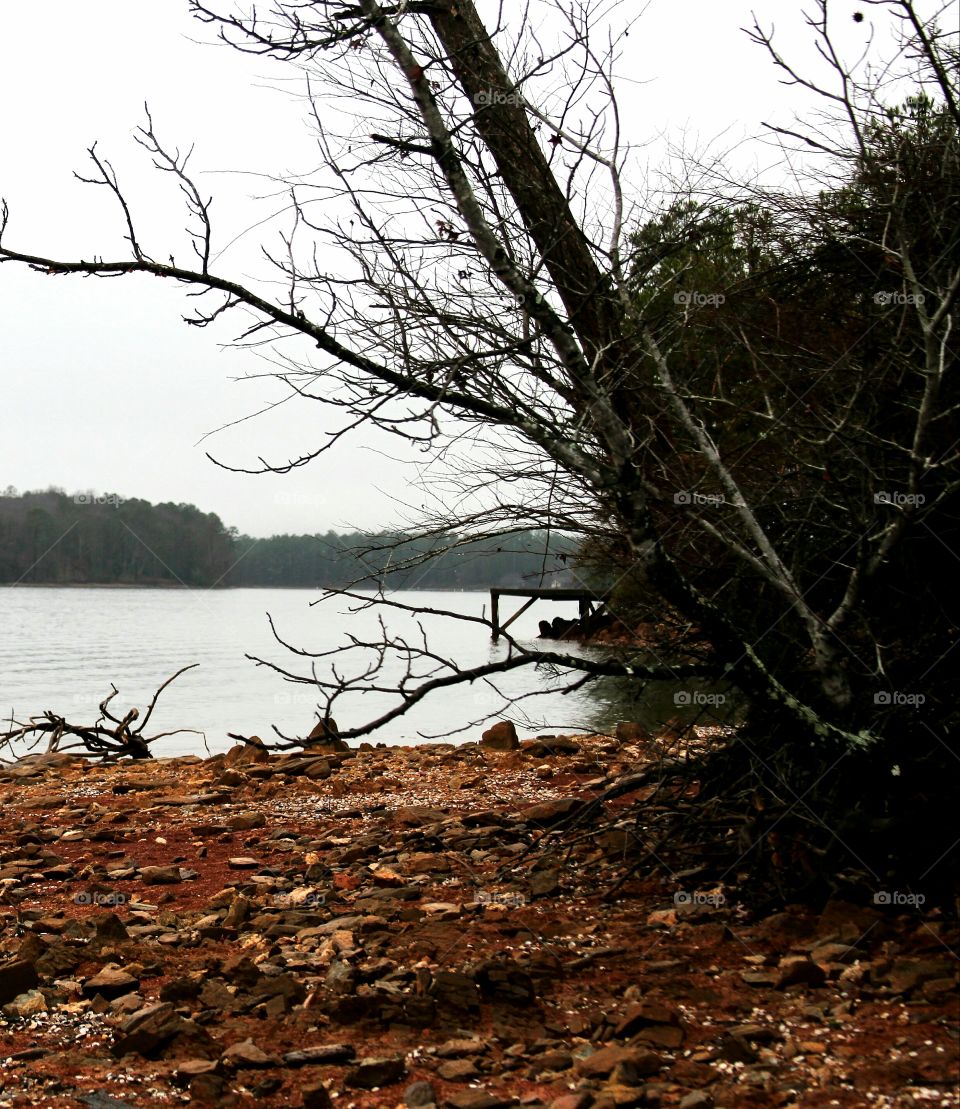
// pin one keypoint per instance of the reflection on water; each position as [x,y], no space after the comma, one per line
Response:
[658,703]
[63,647]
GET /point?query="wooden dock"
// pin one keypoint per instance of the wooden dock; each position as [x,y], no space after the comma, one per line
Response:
[585,598]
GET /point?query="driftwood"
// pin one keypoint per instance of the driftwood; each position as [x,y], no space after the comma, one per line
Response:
[108,737]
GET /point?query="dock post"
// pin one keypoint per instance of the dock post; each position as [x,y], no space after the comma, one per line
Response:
[495,613]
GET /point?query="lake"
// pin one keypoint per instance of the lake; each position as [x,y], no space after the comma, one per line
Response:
[63,646]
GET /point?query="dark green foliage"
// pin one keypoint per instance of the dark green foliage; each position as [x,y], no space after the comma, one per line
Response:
[53,538]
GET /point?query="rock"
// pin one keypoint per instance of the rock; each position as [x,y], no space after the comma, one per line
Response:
[315,1097]
[419,1095]
[458,1049]
[211,1089]
[572,1101]
[110,983]
[834,953]
[27,1004]
[284,986]
[247,1054]
[479,1099]
[458,1070]
[627,1061]
[907,974]
[318,770]
[239,970]
[797,970]
[501,736]
[736,1049]
[243,862]
[158,1032]
[456,995]
[372,1073]
[544,883]
[386,876]
[651,1022]
[245,821]
[239,912]
[109,929]
[325,736]
[16,977]
[243,754]
[320,1055]
[551,812]
[629,731]
[57,961]
[231,779]
[190,1068]
[698,1099]
[552,1061]
[505,982]
[160,875]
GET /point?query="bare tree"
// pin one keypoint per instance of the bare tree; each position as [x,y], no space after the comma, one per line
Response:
[108,737]
[466,269]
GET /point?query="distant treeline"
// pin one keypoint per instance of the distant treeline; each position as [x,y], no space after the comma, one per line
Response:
[53,537]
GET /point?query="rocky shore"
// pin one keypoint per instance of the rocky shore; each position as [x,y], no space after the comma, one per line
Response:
[409,926]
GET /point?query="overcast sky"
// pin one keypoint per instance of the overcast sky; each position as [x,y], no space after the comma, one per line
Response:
[103,387]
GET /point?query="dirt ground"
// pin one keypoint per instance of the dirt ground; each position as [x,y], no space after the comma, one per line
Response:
[401,926]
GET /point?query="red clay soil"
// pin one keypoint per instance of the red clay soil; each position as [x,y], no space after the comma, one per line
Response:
[410,910]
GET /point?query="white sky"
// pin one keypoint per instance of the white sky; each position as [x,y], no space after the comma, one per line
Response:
[102,386]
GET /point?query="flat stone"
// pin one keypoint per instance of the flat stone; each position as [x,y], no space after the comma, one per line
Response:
[458,1070]
[189,1068]
[243,862]
[479,1099]
[602,1063]
[457,1049]
[110,983]
[245,821]
[372,1073]
[551,812]
[247,1054]
[320,1055]
[160,875]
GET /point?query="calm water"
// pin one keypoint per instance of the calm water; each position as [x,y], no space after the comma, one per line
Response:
[62,647]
